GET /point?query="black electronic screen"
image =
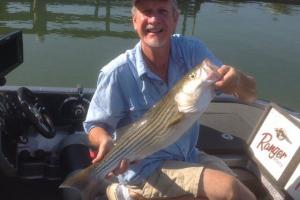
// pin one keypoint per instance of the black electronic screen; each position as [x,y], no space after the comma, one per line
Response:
[11,52]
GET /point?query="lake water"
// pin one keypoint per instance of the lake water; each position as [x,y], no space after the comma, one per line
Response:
[66,42]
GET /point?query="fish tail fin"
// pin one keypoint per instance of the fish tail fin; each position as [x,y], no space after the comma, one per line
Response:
[86,183]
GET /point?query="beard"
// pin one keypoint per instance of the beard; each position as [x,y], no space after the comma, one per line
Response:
[156,42]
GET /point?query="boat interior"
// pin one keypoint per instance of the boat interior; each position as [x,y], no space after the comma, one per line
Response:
[42,140]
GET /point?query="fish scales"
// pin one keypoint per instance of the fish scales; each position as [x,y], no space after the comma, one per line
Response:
[141,129]
[142,136]
[158,128]
[162,124]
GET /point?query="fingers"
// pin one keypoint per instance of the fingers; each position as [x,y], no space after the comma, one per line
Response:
[229,80]
[100,155]
[101,141]
[236,83]
[123,166]
[223,69]
[104,148]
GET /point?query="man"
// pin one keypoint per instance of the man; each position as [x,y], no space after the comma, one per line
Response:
[136,80]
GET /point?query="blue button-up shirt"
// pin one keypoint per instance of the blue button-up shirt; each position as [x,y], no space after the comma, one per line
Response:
[127,88]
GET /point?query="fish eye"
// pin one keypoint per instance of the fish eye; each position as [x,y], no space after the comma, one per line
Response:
[192,75]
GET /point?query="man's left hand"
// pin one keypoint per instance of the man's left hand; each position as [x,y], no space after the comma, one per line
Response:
[236,83]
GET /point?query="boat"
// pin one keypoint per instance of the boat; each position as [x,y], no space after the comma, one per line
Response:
[42,140]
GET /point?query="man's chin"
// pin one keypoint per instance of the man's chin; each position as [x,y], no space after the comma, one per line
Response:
[156,43]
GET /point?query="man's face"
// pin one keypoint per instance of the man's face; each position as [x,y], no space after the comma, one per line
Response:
[154,21]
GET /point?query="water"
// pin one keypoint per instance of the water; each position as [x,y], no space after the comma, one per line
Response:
[66,42]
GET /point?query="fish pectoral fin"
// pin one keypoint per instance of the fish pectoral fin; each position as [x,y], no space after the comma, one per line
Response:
[175,119]
[86,183]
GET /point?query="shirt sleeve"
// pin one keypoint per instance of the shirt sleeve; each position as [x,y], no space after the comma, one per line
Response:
[107,106]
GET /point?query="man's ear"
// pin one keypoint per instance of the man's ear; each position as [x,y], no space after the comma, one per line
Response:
[134,21]
[176,17]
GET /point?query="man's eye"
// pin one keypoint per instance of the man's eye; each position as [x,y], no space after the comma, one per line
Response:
[163,12]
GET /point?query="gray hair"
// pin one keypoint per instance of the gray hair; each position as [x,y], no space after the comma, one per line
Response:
[176,10]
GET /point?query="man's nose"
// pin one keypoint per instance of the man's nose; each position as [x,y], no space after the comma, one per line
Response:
[155,17]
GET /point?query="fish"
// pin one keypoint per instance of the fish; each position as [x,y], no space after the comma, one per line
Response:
[162,125]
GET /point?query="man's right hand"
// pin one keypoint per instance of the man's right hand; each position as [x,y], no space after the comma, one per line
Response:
[101,140]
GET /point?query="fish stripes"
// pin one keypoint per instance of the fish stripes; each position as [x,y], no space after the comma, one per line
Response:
[145,135]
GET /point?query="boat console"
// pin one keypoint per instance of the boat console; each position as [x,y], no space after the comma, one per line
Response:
[41,135]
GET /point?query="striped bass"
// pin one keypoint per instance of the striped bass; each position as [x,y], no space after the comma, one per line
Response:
[159,127]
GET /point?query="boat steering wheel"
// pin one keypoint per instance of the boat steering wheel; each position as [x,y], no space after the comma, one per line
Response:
[35,112]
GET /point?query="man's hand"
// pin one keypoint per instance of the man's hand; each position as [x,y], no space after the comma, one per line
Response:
[106,144]
[101,140]
[236,83]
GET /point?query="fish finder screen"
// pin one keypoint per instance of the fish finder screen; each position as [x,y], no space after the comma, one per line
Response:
[11,52]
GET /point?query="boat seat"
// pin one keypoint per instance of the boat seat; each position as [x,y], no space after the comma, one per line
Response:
[234,151]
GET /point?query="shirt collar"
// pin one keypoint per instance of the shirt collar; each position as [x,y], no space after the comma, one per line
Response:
[141,66]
